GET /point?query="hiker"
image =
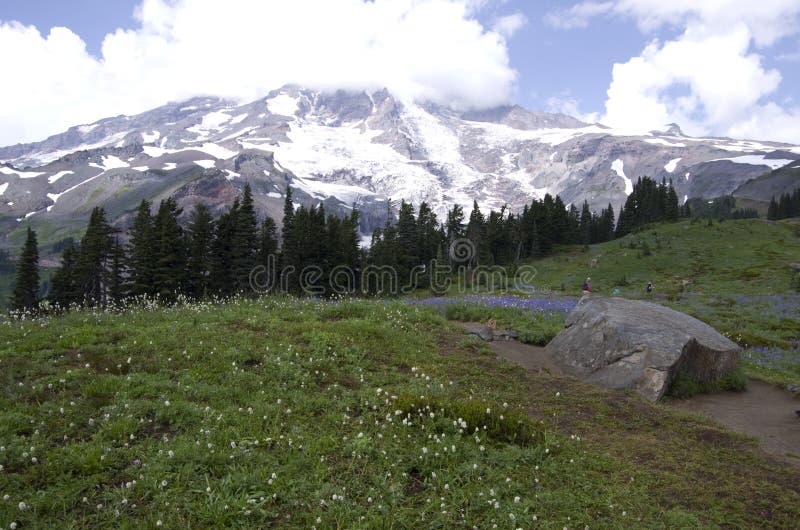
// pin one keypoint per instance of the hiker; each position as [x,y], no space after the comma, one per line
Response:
[649,287]
[586,287]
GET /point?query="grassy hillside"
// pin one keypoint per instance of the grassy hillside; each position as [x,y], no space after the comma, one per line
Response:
[746,257]
[352,414]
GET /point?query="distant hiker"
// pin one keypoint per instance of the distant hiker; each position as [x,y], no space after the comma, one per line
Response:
[615,292]
[649,287]
[586,287]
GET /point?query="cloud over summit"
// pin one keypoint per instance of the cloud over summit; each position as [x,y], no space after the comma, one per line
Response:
[424,49]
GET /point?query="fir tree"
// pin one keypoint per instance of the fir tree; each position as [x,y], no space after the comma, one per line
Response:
[141,252]
[169,272]
[92,264]
[26,285]
[200,232]
[245,242]
[222,279]
[116,281]
[65,288]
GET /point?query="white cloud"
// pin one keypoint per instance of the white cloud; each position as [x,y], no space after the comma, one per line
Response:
[709,78]
[509,24]
[578,15]
[566,104]
[425,49]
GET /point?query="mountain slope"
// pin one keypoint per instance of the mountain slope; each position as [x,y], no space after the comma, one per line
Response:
[351,148]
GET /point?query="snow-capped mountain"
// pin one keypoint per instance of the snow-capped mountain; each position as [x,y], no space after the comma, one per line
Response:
[355,149]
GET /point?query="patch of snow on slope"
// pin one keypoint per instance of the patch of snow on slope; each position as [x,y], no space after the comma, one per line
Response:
[110,162]
[440,142]
[231,175]
[661,141]
[212,121]
[283,105]
[274,195]
[21,174]
[149,138]
[688,175]
[317,151]
[237,134]
[685,198]
[54,178]
[216,151]
[169,166]
[3,188]
[672,164]
[238,119]
[45,157]
[140,168]
[346,193]
[87,128]
[618,167]
[155,152]
[757,160]
[207,164]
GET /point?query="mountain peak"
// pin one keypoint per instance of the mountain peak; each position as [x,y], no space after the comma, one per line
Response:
[670,129]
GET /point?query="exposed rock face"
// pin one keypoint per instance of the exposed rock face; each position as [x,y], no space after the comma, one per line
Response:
[628,344]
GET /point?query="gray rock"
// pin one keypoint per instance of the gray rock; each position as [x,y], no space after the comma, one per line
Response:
[488,334]
[484,332]
[628,344]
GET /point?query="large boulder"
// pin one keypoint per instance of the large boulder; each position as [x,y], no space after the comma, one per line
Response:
[628,344]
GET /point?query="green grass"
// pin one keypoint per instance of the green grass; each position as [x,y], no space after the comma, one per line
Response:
[537,328]
[684,386]
[745,257]
[284,413]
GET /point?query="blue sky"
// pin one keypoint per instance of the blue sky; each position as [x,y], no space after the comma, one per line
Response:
[563,59]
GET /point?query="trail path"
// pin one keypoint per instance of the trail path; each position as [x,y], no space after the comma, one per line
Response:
[763,411]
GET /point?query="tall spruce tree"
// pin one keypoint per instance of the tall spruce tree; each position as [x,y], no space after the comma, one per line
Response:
[200,233]
[141,252]
[25,296]
[169,272]
[245,242]
[92,265]
[223,281]
[267,244]
[116,271]
[65,290]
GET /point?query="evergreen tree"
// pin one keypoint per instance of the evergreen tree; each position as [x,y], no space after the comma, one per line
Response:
[222,279]
[65,287]
[141,252]
[200,233]
[454,227]
[116,280]
[475,232]
[407,240]
[169,272]
[245,242]
[267,241]
[26,285]
[92,264]
[586,224]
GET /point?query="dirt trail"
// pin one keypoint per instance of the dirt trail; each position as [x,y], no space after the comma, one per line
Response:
[763,411]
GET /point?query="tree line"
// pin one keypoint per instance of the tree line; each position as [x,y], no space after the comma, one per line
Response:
[785,206]
[218,257]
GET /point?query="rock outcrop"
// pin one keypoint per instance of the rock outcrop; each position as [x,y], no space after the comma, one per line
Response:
[627,344]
